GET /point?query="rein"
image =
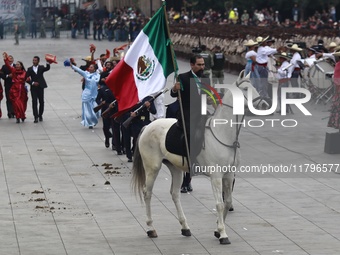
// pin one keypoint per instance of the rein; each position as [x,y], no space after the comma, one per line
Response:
[236,143]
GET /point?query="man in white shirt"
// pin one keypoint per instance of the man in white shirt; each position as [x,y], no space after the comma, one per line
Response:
[263,52]
[295,69]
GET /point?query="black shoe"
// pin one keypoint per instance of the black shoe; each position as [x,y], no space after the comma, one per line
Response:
[18,120]
[10,115]
[23,119]
[184,190]
[189,188]
[119,153]
[35,120]
[130,160]
[107,142]
[41,118]
[90,127]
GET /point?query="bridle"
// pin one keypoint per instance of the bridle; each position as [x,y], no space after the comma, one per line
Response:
[236,143]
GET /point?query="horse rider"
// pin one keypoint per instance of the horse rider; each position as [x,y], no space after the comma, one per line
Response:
[189,84]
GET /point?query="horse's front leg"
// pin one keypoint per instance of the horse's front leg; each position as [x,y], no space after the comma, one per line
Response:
[177,178]
[216,183]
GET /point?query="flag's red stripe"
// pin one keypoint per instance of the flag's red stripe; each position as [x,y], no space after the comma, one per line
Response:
[122,84]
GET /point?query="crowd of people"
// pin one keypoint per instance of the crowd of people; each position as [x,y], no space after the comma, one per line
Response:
[259,17]
[286,64]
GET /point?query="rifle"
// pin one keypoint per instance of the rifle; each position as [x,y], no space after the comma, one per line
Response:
[106,113]
[99,107]
[140,108]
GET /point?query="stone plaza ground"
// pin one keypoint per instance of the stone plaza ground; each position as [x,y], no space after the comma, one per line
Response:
[54,200]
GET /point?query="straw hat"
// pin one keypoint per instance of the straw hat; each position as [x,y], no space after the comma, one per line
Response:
[283,55]
[88,58]
[250,43]
[260,39]
[332,45]
[295,47]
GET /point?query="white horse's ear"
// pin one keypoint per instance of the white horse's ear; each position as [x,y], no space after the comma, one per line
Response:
[241,75]
[248,76]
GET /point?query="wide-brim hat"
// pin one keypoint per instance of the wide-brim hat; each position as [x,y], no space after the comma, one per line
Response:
[332,45]
[88,58]
[261,40]
[114,58]
[295,47]
[283,55]
[250,43]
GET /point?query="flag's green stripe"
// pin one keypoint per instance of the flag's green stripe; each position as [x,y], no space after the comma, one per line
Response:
[156,31]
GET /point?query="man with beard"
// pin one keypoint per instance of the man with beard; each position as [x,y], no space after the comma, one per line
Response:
[190,84]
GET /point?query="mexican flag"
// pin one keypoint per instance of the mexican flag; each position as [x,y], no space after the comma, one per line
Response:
[146,65]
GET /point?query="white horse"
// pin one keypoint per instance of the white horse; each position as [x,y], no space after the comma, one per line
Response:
[221,147]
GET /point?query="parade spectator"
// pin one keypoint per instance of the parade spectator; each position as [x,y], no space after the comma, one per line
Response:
[217,68]
[334,119]
[295,13]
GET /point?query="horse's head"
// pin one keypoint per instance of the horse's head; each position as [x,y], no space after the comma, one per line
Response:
[243,89]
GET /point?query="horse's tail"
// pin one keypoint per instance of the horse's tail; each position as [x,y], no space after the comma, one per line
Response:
[138,171]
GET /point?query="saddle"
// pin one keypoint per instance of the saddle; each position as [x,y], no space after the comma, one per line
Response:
[175,140]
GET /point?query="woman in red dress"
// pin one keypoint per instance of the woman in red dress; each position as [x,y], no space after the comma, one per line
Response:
[18,92]
[334,119]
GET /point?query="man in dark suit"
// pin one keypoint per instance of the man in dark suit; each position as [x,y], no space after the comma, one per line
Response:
[35,77]
[6,75]
[191,83]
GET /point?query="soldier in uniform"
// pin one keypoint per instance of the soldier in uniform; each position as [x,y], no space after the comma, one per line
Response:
[217,65]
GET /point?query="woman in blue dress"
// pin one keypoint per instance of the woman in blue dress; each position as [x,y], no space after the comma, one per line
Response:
[89,95]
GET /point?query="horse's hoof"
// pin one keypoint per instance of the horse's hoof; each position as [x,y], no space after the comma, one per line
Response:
[224,240]
[217,234]
[186,232]
[231,209]
[152,233]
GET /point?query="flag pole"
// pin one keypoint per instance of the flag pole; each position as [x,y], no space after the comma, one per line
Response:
[179,91]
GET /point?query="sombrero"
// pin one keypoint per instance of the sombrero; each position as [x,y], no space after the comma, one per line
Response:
[260,39]
[283,55]
[250,43]
[295,47]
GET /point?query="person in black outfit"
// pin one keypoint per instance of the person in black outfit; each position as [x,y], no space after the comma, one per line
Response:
[140,119]
[191,83]
[6,75]
[35,77]
[105,95]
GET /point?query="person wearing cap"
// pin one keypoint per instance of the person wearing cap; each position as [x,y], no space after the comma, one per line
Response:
[334,118]
[233,16]
[35,75]
[283,75]
[295,69]
[263,52]
[251,60]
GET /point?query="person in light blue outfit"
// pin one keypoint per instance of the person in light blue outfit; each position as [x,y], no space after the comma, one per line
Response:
[89,95]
